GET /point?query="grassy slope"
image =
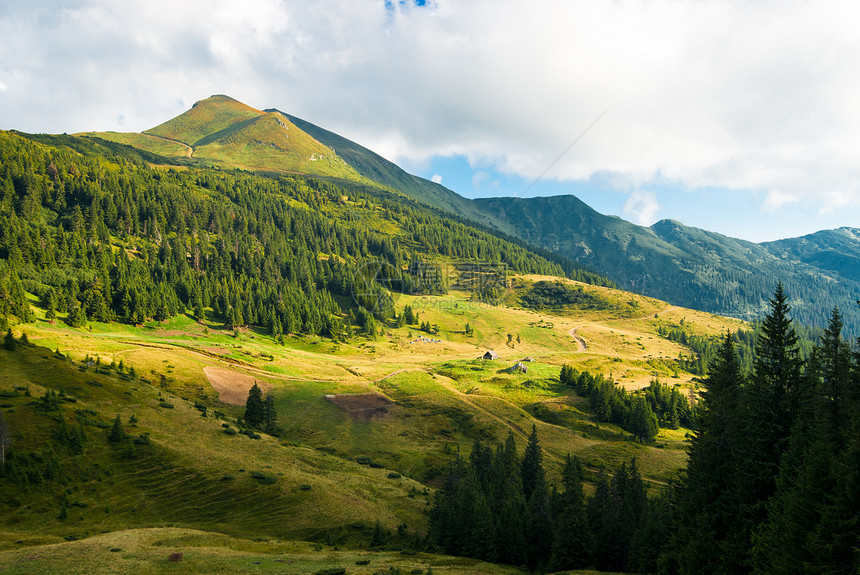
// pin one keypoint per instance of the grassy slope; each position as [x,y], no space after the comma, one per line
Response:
[147,551]
[444,395]
[445,398]
[378,169]
[221,131]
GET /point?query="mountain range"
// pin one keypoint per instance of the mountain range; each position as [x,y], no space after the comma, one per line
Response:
[684,265]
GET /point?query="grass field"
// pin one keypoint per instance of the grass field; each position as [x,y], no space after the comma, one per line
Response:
[173,550]
[335,469]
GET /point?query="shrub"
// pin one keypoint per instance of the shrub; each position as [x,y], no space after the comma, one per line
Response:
[332,571]
[142,439]
[229,431]
[166,405]
[394,475]
[305,487]
[175,557]
[363,562]
[264,478]
[363,460]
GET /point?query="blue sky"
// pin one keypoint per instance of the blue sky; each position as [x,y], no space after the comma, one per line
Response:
[735,116]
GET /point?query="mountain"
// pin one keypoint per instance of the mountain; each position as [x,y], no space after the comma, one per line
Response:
[837,251]
[224,132]
[692,267]
[376,168]
[687,266]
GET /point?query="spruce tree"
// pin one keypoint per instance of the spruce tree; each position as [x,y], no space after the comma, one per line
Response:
[254,407]
[531,467]
[9,341]
[572,542]
[117,433]
[709,508]
[771,401]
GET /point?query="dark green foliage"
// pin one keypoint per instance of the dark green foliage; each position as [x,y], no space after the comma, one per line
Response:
[710,505]
[558,295]
[263,478]
[254,407]
[691,267]
[572,538]
[269,422]
[641,421]
[481,511]
[117,433]
[611,403]
[531,469]
[9,341]
[379,539]
[771,483]
[242,245]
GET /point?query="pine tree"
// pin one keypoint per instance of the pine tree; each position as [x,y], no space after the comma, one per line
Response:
[117,433]
[809,519]
[531,467]
[771,402]
[254,407]
[572,541]
[9,341]
[641,420]
[708,511]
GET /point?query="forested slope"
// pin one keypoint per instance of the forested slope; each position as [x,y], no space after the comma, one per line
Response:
[105,236]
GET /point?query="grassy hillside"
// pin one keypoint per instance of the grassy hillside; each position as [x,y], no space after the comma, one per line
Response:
[378,169]
[153,298]
[341,461]
[221,131]
[692,267]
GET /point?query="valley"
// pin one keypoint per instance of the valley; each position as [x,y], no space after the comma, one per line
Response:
[440,375]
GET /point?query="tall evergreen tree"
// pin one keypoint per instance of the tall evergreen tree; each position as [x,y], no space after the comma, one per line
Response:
[531,467]
[572,541]
[771,402]
[254,407]
[709,531]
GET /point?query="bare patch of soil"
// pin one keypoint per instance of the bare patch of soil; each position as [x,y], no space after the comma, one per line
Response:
[362,406]
[233,386]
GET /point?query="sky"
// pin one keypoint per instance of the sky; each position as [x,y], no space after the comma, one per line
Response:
[741,117]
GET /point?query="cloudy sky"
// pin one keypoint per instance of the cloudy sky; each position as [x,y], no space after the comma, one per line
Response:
[741,117]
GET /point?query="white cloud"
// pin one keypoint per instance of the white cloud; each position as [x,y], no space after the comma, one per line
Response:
[776,199]
[732,94]
[641,207]
[437,178]
[3,87]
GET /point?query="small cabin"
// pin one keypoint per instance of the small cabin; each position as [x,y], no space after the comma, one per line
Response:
[519,367]
[490,355]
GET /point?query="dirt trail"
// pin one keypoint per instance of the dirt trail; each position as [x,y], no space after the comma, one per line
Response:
[580,343]
[232,386]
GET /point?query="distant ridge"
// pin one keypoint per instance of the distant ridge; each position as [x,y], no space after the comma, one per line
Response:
[692,267]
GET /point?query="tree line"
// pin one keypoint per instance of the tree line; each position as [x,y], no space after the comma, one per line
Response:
[771,483]
[641,415]
[103,236]
[499,507]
